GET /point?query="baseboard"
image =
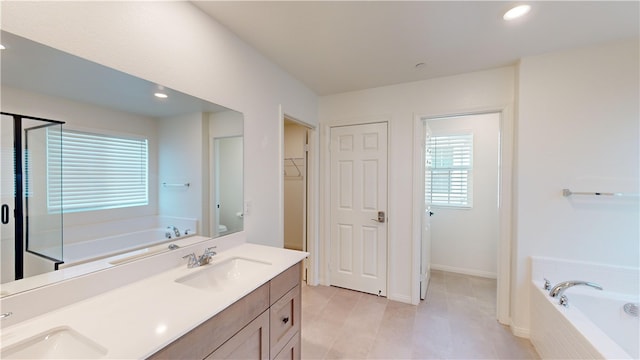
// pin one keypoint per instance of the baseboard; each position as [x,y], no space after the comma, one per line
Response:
[400,298]
[464,271]
[520,332]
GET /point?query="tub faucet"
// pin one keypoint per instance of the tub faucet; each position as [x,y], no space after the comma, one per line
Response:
[176,231]
[560,288]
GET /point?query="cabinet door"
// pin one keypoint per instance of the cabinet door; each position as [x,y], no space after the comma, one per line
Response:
[291,350]
[252,342]
[285,319]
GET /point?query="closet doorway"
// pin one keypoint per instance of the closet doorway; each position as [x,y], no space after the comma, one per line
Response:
[296,186]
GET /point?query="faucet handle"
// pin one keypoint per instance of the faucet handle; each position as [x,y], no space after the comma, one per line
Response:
[547,284]
[564,301]
[210,251]
[193,260]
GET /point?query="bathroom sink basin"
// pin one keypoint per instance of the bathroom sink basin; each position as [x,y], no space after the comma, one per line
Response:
[57,343]
[222,274]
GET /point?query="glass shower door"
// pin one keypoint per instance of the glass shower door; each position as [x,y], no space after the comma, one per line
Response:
[31,229]
[43,220]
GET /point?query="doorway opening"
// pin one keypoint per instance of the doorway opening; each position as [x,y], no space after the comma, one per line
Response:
[296,187]
[461,183]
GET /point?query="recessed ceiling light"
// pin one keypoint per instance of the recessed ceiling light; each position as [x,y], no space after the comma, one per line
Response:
[160,95]
[516,12]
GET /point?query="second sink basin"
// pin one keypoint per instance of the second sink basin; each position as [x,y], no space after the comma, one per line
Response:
[219,275]
[58,343]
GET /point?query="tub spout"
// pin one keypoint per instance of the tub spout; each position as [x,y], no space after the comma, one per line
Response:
[560,288]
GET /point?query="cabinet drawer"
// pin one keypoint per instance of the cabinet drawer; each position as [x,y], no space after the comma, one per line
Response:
[251,343]
[291,350]
[284,319]
[284,282]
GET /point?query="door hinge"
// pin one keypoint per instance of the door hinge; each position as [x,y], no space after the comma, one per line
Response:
[306,147]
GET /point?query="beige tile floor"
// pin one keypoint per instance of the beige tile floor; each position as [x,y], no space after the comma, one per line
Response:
[456,321]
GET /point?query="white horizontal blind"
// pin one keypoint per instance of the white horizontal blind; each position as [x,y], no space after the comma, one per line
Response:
[449,167]
[98,171]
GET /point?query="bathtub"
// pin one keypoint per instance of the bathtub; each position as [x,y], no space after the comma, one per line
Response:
[95,249]
[593,326]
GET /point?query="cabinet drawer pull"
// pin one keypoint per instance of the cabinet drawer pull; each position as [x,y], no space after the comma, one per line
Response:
[285,319]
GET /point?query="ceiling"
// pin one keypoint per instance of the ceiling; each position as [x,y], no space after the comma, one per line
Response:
[339,46]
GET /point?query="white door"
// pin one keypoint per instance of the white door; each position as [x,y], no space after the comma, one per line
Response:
[425,245]
[358,207]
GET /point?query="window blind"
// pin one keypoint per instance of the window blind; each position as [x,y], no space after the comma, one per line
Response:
[449,164]
[98,171]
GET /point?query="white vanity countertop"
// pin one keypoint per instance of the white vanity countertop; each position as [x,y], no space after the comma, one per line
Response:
[136,320]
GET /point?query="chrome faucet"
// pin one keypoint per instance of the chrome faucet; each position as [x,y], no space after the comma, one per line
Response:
[176,231]
[193,260]
[209,253]
[560,288]
[203,259]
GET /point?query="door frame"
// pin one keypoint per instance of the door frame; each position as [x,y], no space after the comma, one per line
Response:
[506,154]
[312,191]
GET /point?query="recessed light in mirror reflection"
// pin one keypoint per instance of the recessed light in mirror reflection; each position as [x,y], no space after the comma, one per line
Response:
[161,95]
[516,12]
[161,328]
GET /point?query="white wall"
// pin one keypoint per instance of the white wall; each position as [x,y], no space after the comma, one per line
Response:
[175,44]
[465,240]
[577,128]
[400,105]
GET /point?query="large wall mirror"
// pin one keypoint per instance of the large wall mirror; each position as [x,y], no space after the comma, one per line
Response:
[134,164]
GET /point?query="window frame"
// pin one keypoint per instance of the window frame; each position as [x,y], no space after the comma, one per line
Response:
[431,166]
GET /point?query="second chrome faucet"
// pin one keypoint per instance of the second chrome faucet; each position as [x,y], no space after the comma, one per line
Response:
[205,258]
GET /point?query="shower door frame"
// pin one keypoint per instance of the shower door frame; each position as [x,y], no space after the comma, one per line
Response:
[19,208]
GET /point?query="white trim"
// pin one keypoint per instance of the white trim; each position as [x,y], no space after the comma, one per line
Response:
[503,300]
[464,271]
[418,204]
[400,298]
[312,195]
[325,212]
[519,332]
[281,115]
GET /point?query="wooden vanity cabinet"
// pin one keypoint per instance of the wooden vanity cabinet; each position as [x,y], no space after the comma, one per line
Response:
[264,324]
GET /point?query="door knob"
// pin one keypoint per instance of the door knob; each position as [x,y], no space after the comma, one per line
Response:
[381,217]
